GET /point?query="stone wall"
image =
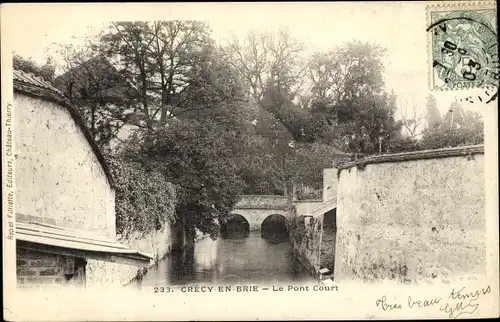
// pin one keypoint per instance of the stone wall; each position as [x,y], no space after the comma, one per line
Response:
[305,237]
[262,202]
[412,217]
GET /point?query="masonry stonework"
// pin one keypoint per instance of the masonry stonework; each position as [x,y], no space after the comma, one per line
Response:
[412,220]
[305,237]
[38,268]
[256,208]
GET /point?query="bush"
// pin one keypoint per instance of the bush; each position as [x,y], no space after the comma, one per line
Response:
[451,137]
[144,199]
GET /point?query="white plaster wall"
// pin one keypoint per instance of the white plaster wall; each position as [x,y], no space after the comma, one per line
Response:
[303,207]
[58,175]
[414,220]
[329,184]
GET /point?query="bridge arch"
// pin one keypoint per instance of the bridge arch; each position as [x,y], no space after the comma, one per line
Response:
[274,227]
[235,226]
[256,208]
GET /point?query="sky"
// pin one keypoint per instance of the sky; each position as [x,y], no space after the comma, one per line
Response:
[399,26]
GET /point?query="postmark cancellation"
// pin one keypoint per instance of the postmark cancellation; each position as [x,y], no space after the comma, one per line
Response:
[462,46]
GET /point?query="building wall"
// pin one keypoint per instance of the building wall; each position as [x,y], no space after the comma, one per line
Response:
[303,207]
[60,181]
[58,175]
[329,184]
[411,220]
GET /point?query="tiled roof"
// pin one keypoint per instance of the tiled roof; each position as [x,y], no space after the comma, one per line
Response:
[29,84]
[29,78]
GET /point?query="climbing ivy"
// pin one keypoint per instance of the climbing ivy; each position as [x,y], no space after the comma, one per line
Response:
[144,199]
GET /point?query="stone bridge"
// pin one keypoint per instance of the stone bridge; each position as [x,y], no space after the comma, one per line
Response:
[257,208]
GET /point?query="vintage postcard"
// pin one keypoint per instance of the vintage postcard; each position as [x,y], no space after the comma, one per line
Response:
[250,161]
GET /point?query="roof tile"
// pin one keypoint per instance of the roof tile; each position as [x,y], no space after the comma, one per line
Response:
[30,79]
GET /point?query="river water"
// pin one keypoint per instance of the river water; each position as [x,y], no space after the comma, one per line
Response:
[250,259]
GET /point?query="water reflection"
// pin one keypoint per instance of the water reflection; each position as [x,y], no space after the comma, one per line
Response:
[250,259]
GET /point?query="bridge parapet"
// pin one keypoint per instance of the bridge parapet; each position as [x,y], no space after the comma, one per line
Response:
[262,202]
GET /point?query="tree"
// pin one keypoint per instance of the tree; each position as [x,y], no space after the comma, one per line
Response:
[306,167]
[364,124]
[412,120]
[104,99]
[188,106]
[198,156]
[347,71]
[271,66]
[163,58]
[130,42]
[266,58]
[351,109]
[433,117]
[466,129]
[374,124]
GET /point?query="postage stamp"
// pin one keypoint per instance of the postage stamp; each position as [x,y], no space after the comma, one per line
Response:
[463,46]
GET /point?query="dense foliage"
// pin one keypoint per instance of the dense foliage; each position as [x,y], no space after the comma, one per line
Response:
[144,199]
[199,158]
[447,137]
